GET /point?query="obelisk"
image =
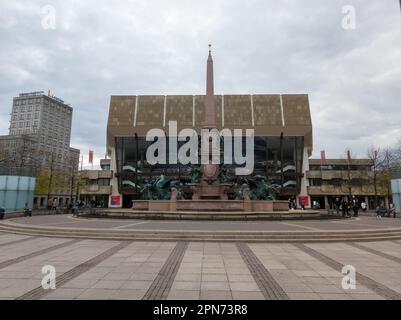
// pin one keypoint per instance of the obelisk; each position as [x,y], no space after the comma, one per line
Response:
[209,110]
[210,171]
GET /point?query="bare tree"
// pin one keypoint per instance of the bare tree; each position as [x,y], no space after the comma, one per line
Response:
[376,156]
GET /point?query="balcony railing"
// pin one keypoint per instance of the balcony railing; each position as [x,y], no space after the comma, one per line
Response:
[94,189]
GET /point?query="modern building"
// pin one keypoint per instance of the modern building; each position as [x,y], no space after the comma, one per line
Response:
[39,137]
[396,188]
[17,188]
[340,178]
[281,123]
[95,184]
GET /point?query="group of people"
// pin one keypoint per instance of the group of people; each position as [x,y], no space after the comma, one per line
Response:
[346,205]
[292,204]
[381,211]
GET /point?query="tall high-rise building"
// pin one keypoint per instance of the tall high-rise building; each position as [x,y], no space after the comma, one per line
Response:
[49,119]
[43,121]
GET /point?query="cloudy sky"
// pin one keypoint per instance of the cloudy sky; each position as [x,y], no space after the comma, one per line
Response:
[101,48]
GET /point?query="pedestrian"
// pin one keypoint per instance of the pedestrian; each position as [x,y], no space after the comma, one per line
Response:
[27,211]
[381,211]
[363,206]
[392,211]
[337,205]
[289,203]
[55,204]
[345,207]
[355,205]
[2,212]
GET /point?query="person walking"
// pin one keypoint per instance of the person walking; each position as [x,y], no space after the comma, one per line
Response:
[337,205]
[355,205]
[392,211]
[289,204]
[363,206]
[2,212]
[55,204]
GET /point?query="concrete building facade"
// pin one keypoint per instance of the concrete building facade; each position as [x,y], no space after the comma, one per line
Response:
[95,185]
[340,178]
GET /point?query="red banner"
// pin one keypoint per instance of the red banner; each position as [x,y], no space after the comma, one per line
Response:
[90,156]
[322,157]
[303,200]
[115,200]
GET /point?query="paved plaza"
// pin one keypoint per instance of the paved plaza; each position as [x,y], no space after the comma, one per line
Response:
[105,269]
[367,221]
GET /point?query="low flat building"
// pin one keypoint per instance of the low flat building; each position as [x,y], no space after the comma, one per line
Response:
[95,184]
[340,178]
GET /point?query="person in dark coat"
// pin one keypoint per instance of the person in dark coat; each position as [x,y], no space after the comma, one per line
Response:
[337,205]
[345,207]
[355,205]
[2,212]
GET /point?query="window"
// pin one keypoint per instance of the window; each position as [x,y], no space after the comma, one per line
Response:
[20,125]
[315,182]
[29,108]
[27,124]
[36,115]
[28,116]
[103,182]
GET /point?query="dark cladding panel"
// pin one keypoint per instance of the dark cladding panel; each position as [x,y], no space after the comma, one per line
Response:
[150,111]
[237,111]
[267,110]
[121,111]
[296,110]
[180,109]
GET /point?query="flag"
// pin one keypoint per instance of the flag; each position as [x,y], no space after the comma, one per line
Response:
[322,157]
[91,156]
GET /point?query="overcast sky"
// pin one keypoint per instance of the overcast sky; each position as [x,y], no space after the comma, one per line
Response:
[104,48]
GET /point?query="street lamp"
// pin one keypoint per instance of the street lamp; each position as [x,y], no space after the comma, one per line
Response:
[136,164]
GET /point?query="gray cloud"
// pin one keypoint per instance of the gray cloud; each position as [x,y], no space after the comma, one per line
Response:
[101,48]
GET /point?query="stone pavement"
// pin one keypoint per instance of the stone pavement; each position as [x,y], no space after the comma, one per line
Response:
[361,223]
[103,269]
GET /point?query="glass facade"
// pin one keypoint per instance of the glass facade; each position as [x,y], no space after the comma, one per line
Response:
[277,158]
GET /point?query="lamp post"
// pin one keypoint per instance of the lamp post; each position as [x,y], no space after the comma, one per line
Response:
[136,163]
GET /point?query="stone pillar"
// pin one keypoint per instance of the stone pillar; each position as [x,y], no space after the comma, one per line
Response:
[326,202]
